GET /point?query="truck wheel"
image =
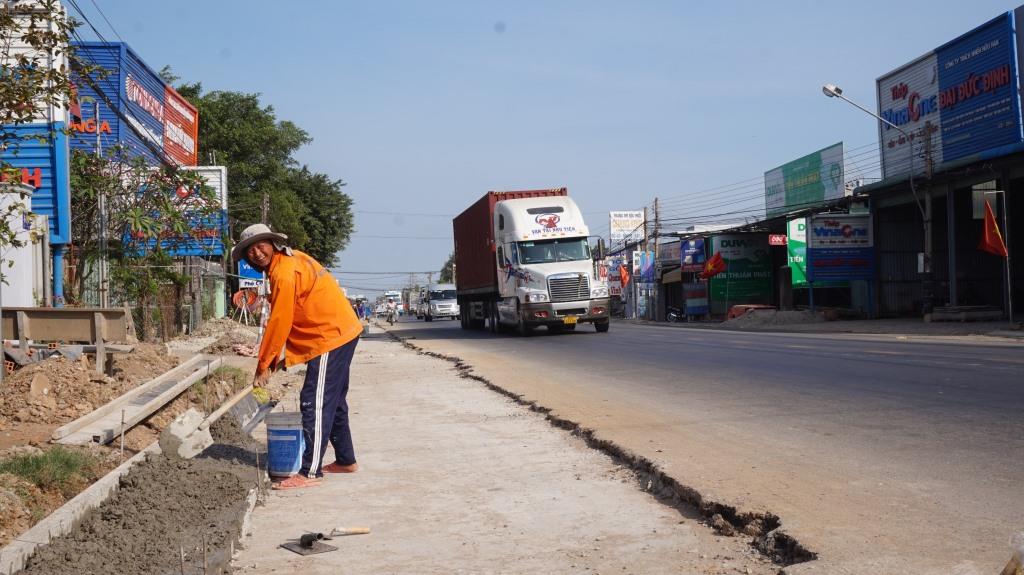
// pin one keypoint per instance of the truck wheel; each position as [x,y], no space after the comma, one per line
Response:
[492,317]
[463,322]
[602,326]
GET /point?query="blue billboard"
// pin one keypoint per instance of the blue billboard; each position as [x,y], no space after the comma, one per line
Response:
[962,96]
[39,152]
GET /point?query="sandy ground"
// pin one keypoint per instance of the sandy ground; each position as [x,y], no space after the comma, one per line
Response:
[456,478]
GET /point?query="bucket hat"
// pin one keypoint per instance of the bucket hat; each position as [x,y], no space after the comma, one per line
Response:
[253,234]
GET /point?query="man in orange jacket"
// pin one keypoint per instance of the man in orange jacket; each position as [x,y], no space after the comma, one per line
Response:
[314,323]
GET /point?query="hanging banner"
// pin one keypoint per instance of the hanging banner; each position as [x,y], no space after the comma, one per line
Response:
[696,295]
[796,251]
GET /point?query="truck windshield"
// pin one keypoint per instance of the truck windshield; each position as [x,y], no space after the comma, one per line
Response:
[442,294]
[547,251]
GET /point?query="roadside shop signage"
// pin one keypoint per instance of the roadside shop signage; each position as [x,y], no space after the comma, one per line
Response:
[626,226]
[135,108]
[776,239]
[250,278]
[692,253]
[40,154]
[805,182]
[748,273]
[696,295]
[963,96]
[839,247]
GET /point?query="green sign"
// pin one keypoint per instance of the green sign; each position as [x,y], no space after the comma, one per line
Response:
[809,181]
[747,278]
[796,250]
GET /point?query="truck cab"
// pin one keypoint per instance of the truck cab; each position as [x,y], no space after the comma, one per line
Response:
[546,275]
[438,301]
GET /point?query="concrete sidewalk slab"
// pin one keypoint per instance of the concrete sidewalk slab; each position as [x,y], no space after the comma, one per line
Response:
[456,478]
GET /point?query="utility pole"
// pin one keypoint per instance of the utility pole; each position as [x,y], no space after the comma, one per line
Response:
[656,265]
[102,208]
[264,208]
[927,285]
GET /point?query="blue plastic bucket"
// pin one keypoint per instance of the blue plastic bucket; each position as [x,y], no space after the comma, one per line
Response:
[285,443]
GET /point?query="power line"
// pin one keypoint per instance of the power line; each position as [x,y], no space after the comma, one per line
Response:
[105,19]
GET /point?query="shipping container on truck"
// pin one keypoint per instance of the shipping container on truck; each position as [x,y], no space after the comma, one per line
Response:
[556,293]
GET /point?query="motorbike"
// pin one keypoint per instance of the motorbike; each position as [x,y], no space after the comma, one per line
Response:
[391,317]
[675,315]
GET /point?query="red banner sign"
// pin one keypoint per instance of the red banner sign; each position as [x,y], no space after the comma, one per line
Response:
[776,239]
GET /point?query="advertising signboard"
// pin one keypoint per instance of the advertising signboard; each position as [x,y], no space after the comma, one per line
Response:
[696,295]
[181,128]
[669,253]
[135,108]
[249,277]
[626,227]
[40,154]
[805,182]
[962,95]
[796,250]
[692,252]
[748,273]
[840,247]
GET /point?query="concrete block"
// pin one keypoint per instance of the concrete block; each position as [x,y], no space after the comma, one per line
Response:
[183,439]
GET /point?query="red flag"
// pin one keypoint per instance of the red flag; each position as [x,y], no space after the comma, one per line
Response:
[714,266]
[624,274]
[991,238]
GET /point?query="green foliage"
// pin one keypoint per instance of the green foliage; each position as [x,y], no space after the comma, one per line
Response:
[239,132]
[142,207]
[448,270]
[57,469]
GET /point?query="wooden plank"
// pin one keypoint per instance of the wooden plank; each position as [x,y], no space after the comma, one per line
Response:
[66,324]
[114,406]
[23,330]
[99,335]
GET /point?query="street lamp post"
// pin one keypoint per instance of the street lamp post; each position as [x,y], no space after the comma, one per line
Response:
[833,91]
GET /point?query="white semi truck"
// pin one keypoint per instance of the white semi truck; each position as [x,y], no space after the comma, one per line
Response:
[523,260]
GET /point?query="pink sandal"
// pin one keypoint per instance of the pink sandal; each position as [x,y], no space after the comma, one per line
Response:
[298,481]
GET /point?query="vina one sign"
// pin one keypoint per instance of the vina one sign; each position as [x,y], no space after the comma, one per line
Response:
[839,248]
[956,101]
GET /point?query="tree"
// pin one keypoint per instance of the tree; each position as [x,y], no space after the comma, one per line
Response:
[236,131]
[148,209]
[448,270]
[327,220]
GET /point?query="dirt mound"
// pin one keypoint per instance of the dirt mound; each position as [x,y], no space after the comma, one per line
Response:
[770,317]
[161,507]
[225,345]
[58,390]
[145,362]
[17,499]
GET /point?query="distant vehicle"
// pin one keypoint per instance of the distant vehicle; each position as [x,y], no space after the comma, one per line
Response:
[396,296]
[438,302]
[523,260]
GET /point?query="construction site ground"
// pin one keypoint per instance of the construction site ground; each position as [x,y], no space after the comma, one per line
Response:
[40,397]
[456,478]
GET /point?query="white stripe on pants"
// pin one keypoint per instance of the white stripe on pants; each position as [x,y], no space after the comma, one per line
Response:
[321,377]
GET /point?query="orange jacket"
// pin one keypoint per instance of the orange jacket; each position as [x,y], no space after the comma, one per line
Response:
[309,314]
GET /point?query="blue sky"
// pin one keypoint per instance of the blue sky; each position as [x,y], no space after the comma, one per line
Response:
[421,107]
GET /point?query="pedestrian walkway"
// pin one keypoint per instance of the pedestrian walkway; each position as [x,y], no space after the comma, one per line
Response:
[456,478]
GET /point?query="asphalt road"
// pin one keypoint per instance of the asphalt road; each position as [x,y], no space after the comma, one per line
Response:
[884,454]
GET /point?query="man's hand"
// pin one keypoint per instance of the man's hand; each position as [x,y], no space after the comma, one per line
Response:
[261,379]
